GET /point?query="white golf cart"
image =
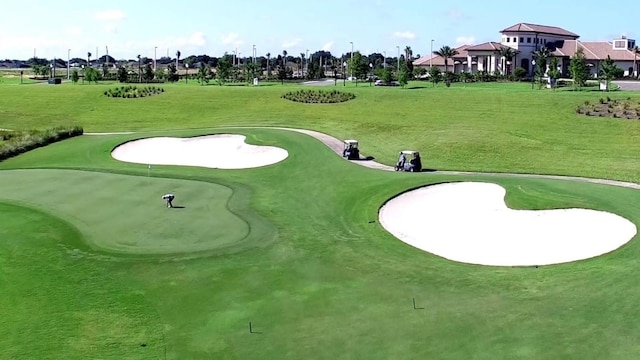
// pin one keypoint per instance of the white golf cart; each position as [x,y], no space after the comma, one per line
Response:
[413,165]
[351,151]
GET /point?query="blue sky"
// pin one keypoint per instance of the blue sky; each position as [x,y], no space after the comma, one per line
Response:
[198,27]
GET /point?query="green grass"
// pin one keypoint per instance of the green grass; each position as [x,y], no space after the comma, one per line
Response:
[124,214]
[322,278]
[478,127]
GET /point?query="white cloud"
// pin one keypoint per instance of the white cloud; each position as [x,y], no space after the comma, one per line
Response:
[110,15]
[197,39]
[327,46]
[465,40]
[404,35]
[232,39]
[291,43]
[25,44]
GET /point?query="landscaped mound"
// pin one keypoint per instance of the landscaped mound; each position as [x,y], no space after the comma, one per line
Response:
[318,96]
[622,109]
[132,91]
[14,143]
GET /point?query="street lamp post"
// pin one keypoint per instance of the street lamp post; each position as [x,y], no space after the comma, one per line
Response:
[155,53]
[83,74]
[186,77]
[370,76]
[431,55]
[52,73]
[533,72]
[344,78]
[254,54]
[351,67]
[384,61]
[68,66]
[398,47]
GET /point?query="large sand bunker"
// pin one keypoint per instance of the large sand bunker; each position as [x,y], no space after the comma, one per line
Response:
[469,222]
[223,151]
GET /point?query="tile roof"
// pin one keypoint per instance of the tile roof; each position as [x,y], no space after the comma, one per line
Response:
[488,46]
[439,60]
[543,29]
[593,50]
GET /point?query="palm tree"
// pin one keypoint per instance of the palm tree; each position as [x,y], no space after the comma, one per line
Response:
[177,59]
[284,59]
[408,53]
[507,53]
[88,59]
[636,51]
[540,56]
[447,53]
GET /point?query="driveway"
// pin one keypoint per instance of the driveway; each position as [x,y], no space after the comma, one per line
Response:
[628,85]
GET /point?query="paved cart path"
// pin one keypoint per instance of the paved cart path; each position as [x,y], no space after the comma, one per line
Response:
[337,146]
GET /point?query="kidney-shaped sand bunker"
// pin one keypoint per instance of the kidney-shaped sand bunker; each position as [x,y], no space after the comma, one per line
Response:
[469,222]
[222,151]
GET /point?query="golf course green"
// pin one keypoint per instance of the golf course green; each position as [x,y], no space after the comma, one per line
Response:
[94,265]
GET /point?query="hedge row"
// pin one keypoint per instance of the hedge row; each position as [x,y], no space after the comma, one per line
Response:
[18,142]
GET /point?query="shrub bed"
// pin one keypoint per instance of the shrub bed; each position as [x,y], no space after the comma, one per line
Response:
[318,96]
[14,143]
[133,91]
[606,107]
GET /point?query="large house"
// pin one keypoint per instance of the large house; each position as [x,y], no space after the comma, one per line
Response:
[525,39]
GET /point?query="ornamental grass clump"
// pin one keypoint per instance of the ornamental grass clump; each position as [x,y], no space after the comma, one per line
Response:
[18,142]
[133,91]
[612,108]
[318,96]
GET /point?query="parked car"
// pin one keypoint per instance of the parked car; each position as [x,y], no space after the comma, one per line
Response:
[382,83]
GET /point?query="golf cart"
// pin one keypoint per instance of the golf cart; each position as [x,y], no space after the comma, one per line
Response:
[351,151]
[413,165]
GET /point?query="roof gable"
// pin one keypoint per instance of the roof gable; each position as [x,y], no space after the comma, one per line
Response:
[488,46]
[593,50]
[542,29]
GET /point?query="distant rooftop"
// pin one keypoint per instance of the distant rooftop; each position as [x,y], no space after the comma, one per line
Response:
[542,29]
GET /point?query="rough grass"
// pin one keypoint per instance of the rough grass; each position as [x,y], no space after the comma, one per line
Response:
[333,284]
[479,127]
[18,142]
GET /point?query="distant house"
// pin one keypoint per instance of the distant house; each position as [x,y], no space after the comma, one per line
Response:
[525,39]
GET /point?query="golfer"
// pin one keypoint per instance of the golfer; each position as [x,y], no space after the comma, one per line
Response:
[401,161]
[169,199]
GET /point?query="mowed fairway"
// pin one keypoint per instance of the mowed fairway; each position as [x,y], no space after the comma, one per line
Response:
[308,264]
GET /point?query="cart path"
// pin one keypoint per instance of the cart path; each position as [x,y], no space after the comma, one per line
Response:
[337,146]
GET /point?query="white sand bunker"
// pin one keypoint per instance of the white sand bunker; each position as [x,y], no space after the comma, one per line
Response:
[469,222]
[223,151]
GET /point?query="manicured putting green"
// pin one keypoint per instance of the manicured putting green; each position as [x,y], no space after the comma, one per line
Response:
[125,214]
